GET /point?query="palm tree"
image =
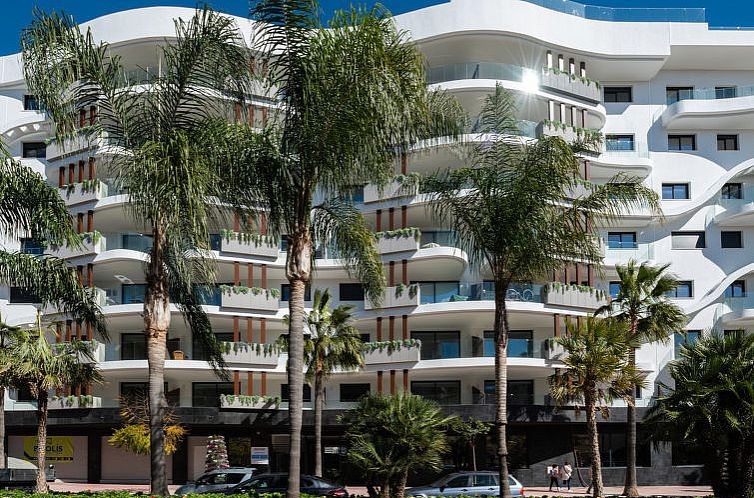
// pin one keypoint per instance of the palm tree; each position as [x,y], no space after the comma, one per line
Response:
[711,406]
[41,368]
[389,436]
[175,154]
[333,344]
[650,316]
[596,371]
[353,95]
[8,337]
[515,216]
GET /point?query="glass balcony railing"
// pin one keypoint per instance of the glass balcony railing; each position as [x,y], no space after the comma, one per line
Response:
[738,304]
[622,252]
[477,70]
[444,292]
[714,93]
[525,128]
[622,148]
[732,198]
[623,14]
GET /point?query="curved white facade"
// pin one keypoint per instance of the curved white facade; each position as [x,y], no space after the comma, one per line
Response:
[688,96]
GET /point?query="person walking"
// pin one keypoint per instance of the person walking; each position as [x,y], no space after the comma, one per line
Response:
[554,473]
[567,473]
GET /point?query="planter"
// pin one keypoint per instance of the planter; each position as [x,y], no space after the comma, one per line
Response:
[564,83]
[264,301]
[79,193]
[74,402]
[393,190]
[573,296]
[390,245]
[250,402]
[391,300]
[262,247]
[90,246]
[399,354]
[251,354]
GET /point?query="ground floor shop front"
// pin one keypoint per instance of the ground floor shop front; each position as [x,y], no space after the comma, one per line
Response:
[539,436]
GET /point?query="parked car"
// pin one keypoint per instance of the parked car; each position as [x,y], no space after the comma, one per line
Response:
[217,480]
[278,483]
[482,483]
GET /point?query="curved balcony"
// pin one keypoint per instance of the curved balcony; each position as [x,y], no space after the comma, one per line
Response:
[83,192]
[32,122]
[729,108]
[620,254]
[617,157]
[735,212]
[735,311]
[92,243]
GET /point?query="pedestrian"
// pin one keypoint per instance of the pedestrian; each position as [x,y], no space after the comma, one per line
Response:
[554,473]
[567,473]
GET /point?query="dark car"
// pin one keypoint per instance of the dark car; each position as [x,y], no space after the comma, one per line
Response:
[278,483]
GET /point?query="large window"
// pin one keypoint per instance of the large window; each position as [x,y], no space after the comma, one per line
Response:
[133,346]
[675,191]
[197,349]
[736,289]
[31,103]
[621,240]
[727,142]
[444,392]
[439,237]
[618,94]
[684,289]
[675,93]
[351,292]
[133,293]
[437,345]
[438,292]
[520,392]
[285,393]
[688,338]
[732,191]
[20,295]
[725,92]
[32,246]
[350,393]
[731,239]
[208,394]
[285,292]
[34,150]
[688,240]
[684,453]
[681,142]
[619,142]
[520,344]
[613,449]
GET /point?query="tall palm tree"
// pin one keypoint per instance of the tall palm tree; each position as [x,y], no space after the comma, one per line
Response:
[333,344]
[41,368]
[515,216]
[596,371]
[650,316]
[8,337]
[174,153]
[353,95]
[711,406]
[389,436]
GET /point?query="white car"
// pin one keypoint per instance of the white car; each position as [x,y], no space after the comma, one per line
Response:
[481,483]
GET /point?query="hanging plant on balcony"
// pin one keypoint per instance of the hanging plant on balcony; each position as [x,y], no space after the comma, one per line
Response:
[256,291]
[412,290]
[249,238]
[272,401]
[84,400]
[244,347]
[391,346]
[399,233]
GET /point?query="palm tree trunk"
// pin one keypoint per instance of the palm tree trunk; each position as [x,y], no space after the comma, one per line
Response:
[41,442]
[400,491]
[2,427]
[156,324]
[630,488]
[473,455]
[319,401]
[385,488]
[298,271]
[501,386]
[591,426]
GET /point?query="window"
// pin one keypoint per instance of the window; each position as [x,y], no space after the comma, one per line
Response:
[439,344]
[438,292]
[365,337]
[34,150]
[285,393]
[458,482]
[130,390]
[621,240]
[23,393]
[353,392]
[613,448]
[520,392]
[736,289]
[31,103]
[133,346]
[727,142]
[19,295]
[675,93]
[614,289]
[486,480]
[447,238]
[32,246]
[675,191]
[197,349]
[618,94]
[444,392]
[731,239]
[725,92]
[688,240]
[687,339]
[681,142]
[619,142]
[133,293]
[285,292]
[520,344]
[732,191]
[684,289]
[208,394]
[351,292]
[684,453]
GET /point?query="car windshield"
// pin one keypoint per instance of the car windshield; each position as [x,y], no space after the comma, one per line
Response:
[440,482]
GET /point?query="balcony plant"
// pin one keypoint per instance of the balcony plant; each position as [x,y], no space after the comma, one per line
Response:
[273,401]
[573,77]
[256,348]
[254,291]
[412,289]
[390,346]
[249,238]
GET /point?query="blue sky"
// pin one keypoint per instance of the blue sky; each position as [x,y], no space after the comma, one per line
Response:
[17,13]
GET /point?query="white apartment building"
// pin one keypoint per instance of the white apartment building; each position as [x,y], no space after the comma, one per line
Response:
[675,101]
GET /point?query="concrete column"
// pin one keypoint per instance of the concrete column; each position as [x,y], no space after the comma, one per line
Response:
[405,381]
[264,384]
[236,383]
[236,273]
[391,328]
[250,384]
[561,62]
[264,276]
[378,221]
[551,110]
[250,330]
[404,268]
[81,170]
[263,330]
[236,332]
[563,113]
[574,116]
[379,382]
[379,328]
[584,115]
[404,323]
[90,221]
[582,69]
[391,273]
[404,216]
[578,274]
[391,219]
[549,59]
[392,382]
[571,66]
[556,324]
[92,170]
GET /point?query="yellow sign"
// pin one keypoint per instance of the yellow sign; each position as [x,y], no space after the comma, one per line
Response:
[59,449]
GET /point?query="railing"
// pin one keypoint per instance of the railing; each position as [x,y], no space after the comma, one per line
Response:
[479,291]
[737,304]
[722,92]
[626,251]
[477,70]
[623,14]
[131,241]
[746,197]
[618,149]
[525,128]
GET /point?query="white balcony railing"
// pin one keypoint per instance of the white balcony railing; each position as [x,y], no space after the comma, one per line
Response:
[92,243]
[243,353]
[74,402]
[250,244]
[249,298]
[397,297]
[250,402]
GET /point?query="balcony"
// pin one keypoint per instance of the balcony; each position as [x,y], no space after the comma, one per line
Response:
[397,297]
[737,211]
[74,145]
[93,243]
[617,156]
[393,190]
[388,352]
[571,84]
[249,402]
[74,402]
[721,108]
[249,244]
[249,298]
[736,311]
[575,296]
[82,192]
[569,133]
[250,354]
[402,240]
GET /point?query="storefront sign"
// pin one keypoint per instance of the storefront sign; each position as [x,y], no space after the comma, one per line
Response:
[260,455]
[59,449]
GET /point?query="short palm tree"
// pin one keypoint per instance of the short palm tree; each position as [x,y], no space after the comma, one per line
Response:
[42,368]
[469,430]
[173,151]
[642,303]
[9,335]
[514,215]
[389,436]
[353,95]
[596,371]
[711,406]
